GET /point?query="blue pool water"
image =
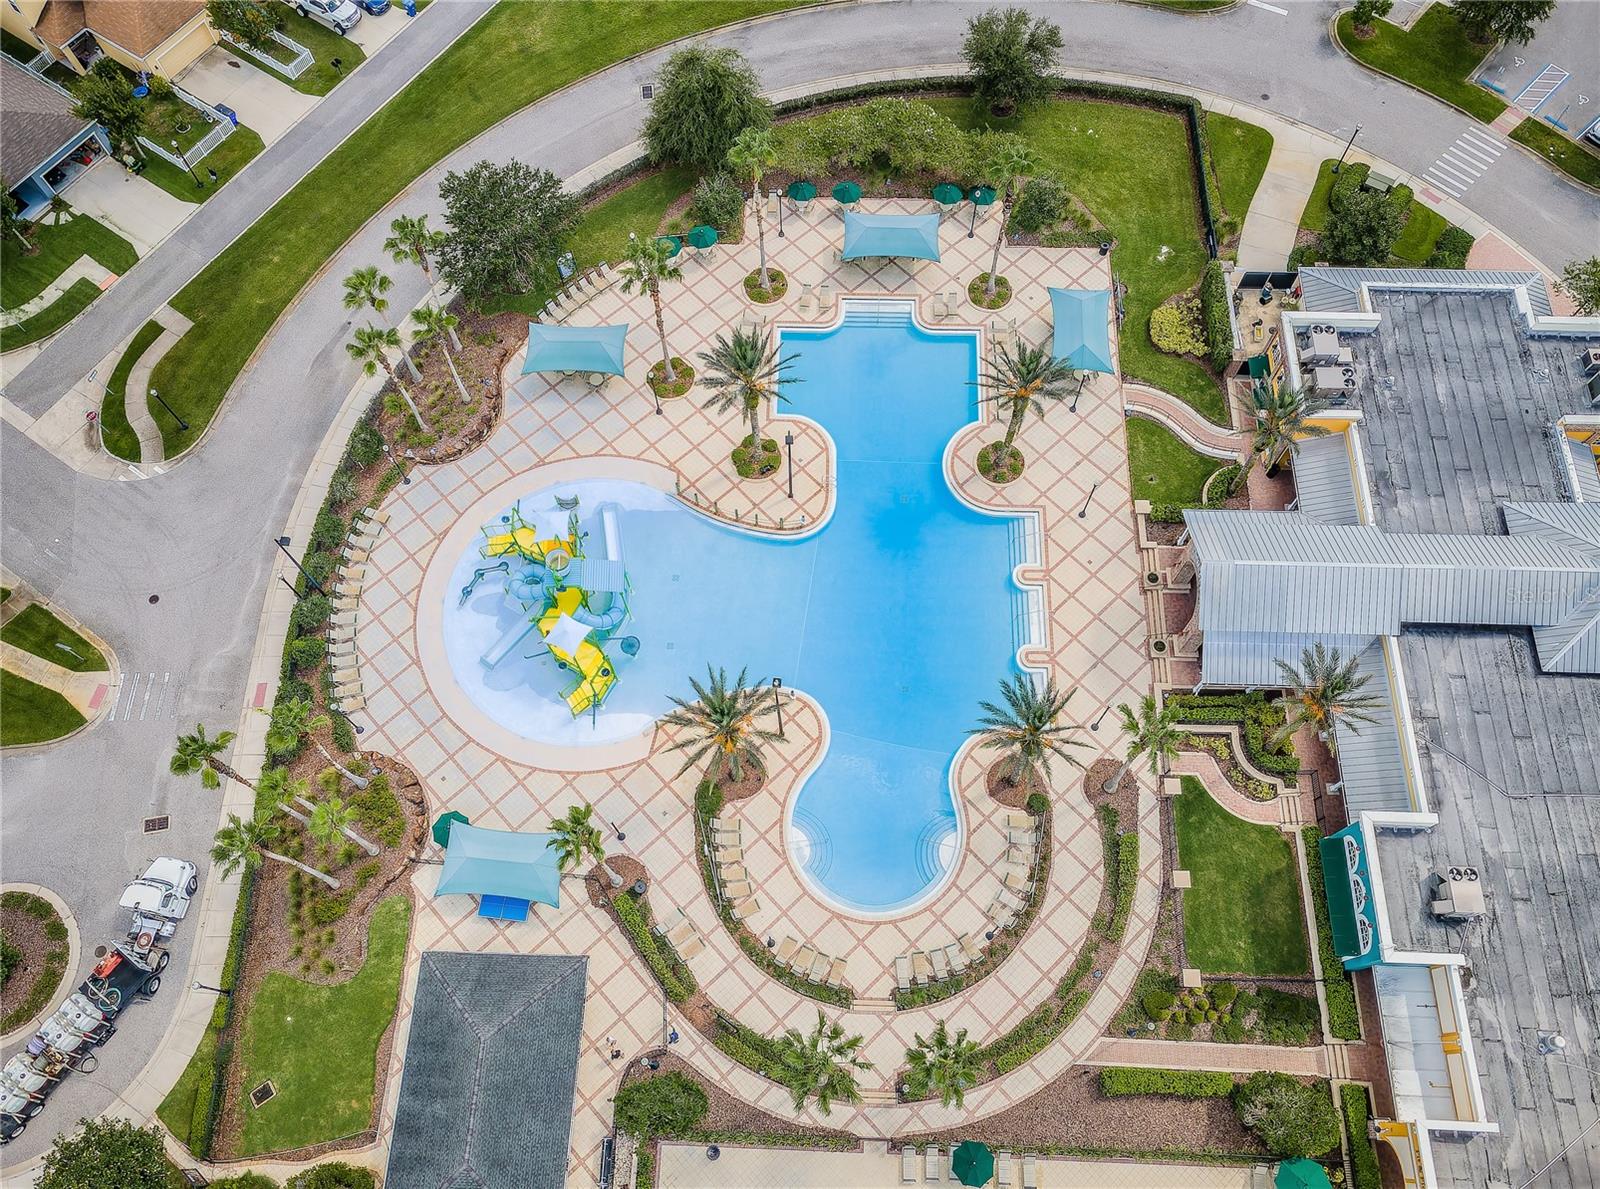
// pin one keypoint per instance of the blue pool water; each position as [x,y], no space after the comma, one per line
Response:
[896,616]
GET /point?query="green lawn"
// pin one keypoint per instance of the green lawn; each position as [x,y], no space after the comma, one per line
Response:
[1568,156]
[1164,469]
[35,629]
[325,45]
[319,1044]
[30,713]
[1130,166]
[115,429]
[1243,914]
[1423,226]
[515,55]
[1239,153]
[1434,55]
[228,158]
[23,276]
[77,298]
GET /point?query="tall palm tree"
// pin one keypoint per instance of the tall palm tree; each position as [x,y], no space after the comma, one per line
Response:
[245,842]
[1022,378]
[287,792]
[943,1063]
[1028,728]
[1323,692]
[412,241]
[821,1065]
[743,371]
[752,154]
[330,818]
[650,262]
[435,323]
[370,348]
[295,719]
[364,288]
[1282,417]
[1008,163]
[199,753]
[1153,733]
[723,723]
[577,838]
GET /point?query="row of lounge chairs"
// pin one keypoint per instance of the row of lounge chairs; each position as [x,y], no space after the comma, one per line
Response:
[347,690]
[1016,888]
[933,1164]
[816,299]
[805,960]
[932,965]
[726,847]
[681,933]
[577,291]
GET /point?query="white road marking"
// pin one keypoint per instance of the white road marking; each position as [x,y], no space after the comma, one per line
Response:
[144,706]
[1473,153]
[1444,169]
[133,696]
[1467,164]
[1464,161]
[1283,12]
[1445,186]
[1473,136]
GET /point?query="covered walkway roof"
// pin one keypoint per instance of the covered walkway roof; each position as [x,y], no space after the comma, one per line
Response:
[553,348]
[915,237]
[1083,328]
[480,862]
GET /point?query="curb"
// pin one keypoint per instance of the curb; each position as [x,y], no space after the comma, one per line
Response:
[113,669]
[74,955]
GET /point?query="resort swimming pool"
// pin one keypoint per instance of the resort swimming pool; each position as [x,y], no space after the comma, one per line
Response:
[897,616]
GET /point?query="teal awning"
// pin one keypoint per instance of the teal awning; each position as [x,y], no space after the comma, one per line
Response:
[912,236]
[482,862]
[553,348]
[1083,335]
[1352,913]
[1300,1173]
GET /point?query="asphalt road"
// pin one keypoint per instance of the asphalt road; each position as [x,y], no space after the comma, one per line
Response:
[1569,41]
[200,536]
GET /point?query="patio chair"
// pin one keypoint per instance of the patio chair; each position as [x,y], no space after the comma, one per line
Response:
[908,1165]
[1018,883]
[670,921]
[1019,821]
[1011,899]
[729,854]
[952,301]
[1022,837]
[808,301]
[968,947]
[837,969]
[746,909]
[933,1164]
[956,956]
[724,825]
[802,960]
[940,307]
[825,296]
[786,950]
[1022,856]
[1003,1170]
[1030,1172]
[681,932]
[355,702]
[735,873]
[597,380]
[921,968]
[736,890]
[773,198]
[940,963]
[691,947]
[902,972]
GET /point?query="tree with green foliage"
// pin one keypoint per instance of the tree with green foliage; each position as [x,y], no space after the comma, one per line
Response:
[668,1104]
[705,97]
[944,1065]
[105,95]
[1364,14]
[1362,228]
[199,753]
[1007,164]
[412,241]
[509,224]
[751,155]
[1028,729]
[330,818]
[650,261]
[1012,55]
[1024,377]
[577,838]
[1291,1118]
[723,725]
[744,372]
[821,1065]
[435,324]
[1153,733]
[1323,692]
[106,1152]
[1580,281]
[1283,416]
[244,842]
[250,22]
[332,1174]
[11,220]
[370,347]
[1487,21]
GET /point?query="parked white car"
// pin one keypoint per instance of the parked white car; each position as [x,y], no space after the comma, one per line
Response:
[160,897]
[339,15]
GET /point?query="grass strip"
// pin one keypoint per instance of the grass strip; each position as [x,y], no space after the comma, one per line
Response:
[1570,157]
[24,274]
[325,45]
[1164,469]
[38,630]
[1434,55]
[116,431]
[1239,153]
[228,158]
[73,301]
[30,713]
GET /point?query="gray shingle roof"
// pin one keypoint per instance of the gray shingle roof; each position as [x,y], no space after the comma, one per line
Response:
[1337,290]
[490,1067]
[35,121]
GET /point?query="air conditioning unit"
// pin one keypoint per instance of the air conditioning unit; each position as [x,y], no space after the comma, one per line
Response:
[1458,895]
[1590,360]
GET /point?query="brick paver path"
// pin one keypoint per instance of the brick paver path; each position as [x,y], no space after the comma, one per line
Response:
[1180,417]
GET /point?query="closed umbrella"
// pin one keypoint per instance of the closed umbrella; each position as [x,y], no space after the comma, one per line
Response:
[1300,1173]
[947,194]
[441,828]
[702,236]
[673,242]
[804,191]
[972,1162]
[848,193]
[981,195]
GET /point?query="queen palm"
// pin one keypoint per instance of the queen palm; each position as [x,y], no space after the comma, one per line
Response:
[1028,730]
[364,289]
[649,262]
[244,842]
[743,371]
[821,1065]
[330,818]
[1007,164]
[293,720]
[412,241]
[723,723]
[752,154]
[287,791]
[1152,732]
[434,323]
[1323,692]
[944,1064]
[1025,377]
[370,347]
[1282,417]
[576,838]
[199,752]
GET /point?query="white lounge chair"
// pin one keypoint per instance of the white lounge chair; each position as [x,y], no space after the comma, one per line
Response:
[837,969]
[1003,1170]
[808,301]
[825,296]
[786,950]
[802,960]
[1030,1172]
[921,968]
[933,1163]
[691,947]
[902,972]
[1019,821]
[940,963]
[737,890]
[746,909]
[908,1165]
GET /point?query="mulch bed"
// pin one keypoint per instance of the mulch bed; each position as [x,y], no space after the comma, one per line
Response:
[1012,796]
[487,340]
[598,886]
[28,934]
[725,1112]
[755,778]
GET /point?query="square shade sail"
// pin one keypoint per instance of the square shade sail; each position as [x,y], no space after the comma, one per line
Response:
[915,237]
[482,862]
[1083,335]
[553,348]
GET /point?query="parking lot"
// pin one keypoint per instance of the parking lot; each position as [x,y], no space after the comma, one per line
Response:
[1556,76]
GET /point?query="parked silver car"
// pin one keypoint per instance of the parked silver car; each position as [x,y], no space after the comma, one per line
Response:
[339,15]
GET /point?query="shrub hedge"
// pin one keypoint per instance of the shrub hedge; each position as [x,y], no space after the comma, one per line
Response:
[1127,876]
[1214,303]
[1344,1020]
[1365,1173]
[675,978]
[1256,719]
[1175,328]
[1451,248]
[1116,1082]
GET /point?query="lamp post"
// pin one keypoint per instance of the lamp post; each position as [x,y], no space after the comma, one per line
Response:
[972,226]
[198,184]
[777,702]
[1095,725]
[1340,163]
[788,442]
[779,195]
[283,544]
[1083,378]
[182,424]
[1083,512]
[395,460]
[197,985]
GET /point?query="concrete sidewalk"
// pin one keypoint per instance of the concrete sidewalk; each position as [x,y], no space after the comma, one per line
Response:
[1274,217]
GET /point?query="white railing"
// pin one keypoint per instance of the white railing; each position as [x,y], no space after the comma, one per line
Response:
[294,69]
[222,129]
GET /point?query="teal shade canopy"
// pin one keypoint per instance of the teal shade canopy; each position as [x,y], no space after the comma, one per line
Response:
[674,244]
[441,828]
[847,192]
[947,193]
[972,1162]
[553,348]
[804,191]
[1301,1173]
[981,195]
[910,236]
[702,236]
[1083,335]
[480,862]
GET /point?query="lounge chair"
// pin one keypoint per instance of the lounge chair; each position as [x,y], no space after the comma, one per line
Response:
[801,965]
[941,308]
[808,301]
[825,296]
[729,854]
[933,1163]
[952,301]
[837,969]
[1022,856]
[957,958]
[1019,821]
[1022,837]
[681,932]
[737,890]
[1003,1170]
[690,948]
[969,947]
[941,963]
[1030,1172]
[735,873]
[746,909]
[908,1165]
[921,968]
[820,967]
[786,950]
[1018,883]
[902,972]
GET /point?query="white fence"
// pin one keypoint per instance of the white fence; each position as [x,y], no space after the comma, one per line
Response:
[302,57]
[221,130]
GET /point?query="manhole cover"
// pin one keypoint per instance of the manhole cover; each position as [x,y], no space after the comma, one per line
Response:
[263,1093]
[155,598]
[154,825]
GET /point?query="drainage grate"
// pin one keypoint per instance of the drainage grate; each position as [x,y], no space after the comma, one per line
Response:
[263,1093]
[154,825]
[648,91]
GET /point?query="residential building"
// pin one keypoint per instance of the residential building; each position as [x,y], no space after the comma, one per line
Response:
[159,36]
[43,145]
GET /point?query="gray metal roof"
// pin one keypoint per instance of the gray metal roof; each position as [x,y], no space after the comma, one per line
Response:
[1325,480]
[1337,290]
[490,1067]
[1408,1004]
[1371,759]
[1251,658]
[1585,472]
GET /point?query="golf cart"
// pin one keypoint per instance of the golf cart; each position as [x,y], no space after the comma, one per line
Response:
[159,899]
[27,1079]
[124,972]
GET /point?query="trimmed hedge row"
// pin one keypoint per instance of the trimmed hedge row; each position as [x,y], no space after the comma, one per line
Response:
[1117,1082]
[1127,877]
[1364,1170]
[1344,1020]
[1256,719]
[1214,303]
[675,978]
[1045,1022]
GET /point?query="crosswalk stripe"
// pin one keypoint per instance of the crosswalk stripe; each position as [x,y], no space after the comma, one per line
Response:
[1448,187]
[1446,170]
[1476,156]
[1452,157]
[1475,137]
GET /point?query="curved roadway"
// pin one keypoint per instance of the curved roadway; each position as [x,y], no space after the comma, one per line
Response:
[200,537]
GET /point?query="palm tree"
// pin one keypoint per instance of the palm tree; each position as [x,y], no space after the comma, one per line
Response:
[371,349]
[286,791]
[295,719]
[1282,418]
[946,1064]
[1024,378]
[742,372]
[752,154]
[1028,728]
[329,820]
[650,262]
[1322,693]
[1152,732]
[820,1066]
[722,723]
[1008,163]
[412,241]
[435,323]
[577,838]
[198,753]
[245,842]
[364,288]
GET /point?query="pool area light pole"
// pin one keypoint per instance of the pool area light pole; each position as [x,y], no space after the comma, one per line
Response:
[1340,163]
[779,195]
[1083,379]
[283,544]
[1083,512]
[777,702]
[788,441]
[1104,710]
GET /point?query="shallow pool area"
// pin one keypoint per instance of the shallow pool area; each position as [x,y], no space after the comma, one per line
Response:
[897,616]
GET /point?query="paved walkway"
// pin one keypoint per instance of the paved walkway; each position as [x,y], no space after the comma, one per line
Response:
[1180,417]
[1310,1061]
[135,393]
[1273,220]
[83,268]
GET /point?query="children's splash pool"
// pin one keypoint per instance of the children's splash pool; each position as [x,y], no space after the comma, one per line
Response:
[897,616]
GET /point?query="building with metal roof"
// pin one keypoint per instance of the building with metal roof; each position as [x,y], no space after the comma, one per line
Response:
[1325,289]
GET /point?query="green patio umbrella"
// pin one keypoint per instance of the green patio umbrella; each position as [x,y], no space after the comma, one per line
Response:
[441,828]
[675,242]
[947,193]
[702,236]
[981,195]
[803,191]
[1301,1173]
[847,192]
[972,1162]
